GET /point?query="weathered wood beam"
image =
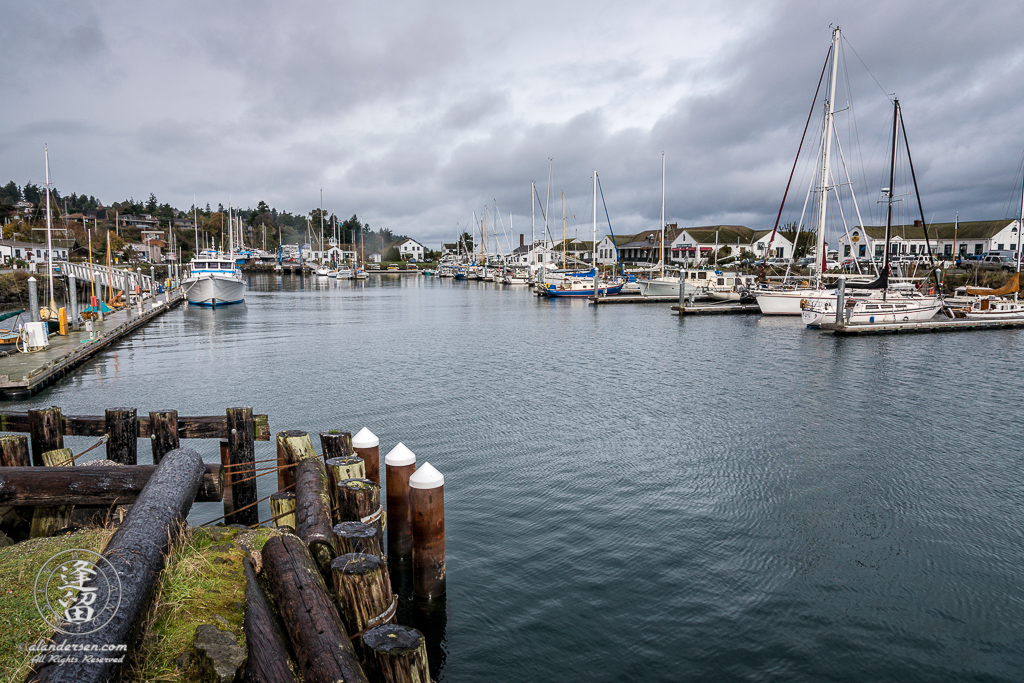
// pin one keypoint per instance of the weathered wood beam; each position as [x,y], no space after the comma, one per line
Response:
[91,485]
[195,427]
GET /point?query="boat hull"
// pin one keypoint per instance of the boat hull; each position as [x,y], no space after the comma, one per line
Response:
[581,293]
[788,302]
[211,291]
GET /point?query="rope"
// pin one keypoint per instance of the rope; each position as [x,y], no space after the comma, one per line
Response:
[242,464]
[102,440]
[265,470]
[245,507]
[381,618]
[371,518]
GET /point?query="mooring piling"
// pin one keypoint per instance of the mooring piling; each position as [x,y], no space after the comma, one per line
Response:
[163,433]
[357,537]
[363,591]
[242,458]
[122,435]
[399,465]
[426,499]
[367,447]
[393,653]
[46,430]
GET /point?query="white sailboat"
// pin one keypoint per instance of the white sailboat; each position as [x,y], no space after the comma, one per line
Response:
[663,284]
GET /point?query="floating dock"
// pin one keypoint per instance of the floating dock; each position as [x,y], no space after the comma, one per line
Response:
[23,374]
[941,325]
[631,299]
[716,309]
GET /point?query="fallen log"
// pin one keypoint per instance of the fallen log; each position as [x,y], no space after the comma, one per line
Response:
[322,648]
[269,660]
[313,512]
[91,485]
[135,555]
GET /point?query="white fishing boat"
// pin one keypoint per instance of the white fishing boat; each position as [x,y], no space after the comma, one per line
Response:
[344,273]
[214,280]
[732,287]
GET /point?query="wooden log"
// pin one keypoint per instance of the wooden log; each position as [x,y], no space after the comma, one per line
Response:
[122,435]
[282,508]
[242,455]
[322,648]
[47,520]
[90,485]
[399,464]
[285,475]
[340,469]
[363,591]
[356,537]
[395,654]
[225,460]
[367,446]
[313,512]
[163,433]
[268,659]
[14,451]
[46,432]
[336,444]
[426,498]
[135,555]
[359,501]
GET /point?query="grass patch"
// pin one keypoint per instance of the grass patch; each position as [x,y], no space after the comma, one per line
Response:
[20,623]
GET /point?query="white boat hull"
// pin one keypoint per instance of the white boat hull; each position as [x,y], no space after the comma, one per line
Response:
[209,289]
[873,310]
[787,301]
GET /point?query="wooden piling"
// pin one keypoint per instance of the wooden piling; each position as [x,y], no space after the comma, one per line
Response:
[225,460]
[163,434]
[122,435]
[340,469]
[46,430]
[313,511]
[336,444]
[426,499]
[282,508]
[284,474]
[136,556]
[393,653]
[399,465]
[359,501]
[322,647]
[14,451]
[363,591]
[47,520]
[367,447]
[357,537]
[242,456]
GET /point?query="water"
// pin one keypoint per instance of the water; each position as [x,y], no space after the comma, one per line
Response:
[631,496]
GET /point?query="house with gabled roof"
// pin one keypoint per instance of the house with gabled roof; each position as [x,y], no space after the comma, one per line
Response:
[948,241]
[701,242]
[645,247]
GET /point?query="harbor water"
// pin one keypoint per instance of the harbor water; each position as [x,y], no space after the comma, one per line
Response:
[635,496]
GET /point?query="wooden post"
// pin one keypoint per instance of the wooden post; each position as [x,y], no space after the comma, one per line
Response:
[356,537]
[122,435]
[225,460]
[367,447]
[340,469]
[163,434]
[322,648]
[282,508]
[395,654]
[268,660]
[136,556]
[292,446]
[242,456]
[313,511]
[336,444]
[14,451]
[426,498]
[399,464]
[46,429]
[364,591]
[48,520]
[359,501]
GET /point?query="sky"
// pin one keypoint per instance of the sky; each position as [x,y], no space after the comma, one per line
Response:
[416,116]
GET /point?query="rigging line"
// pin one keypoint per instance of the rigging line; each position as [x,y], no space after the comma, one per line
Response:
[612,232]
[924,225]
[814,103]
[887,96]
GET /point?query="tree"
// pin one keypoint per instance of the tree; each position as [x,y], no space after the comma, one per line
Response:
[350,230]
[10,193]
[151,204]
[392,255]
[466,243]
[32,193]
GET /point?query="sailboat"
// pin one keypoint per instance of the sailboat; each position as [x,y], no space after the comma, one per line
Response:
[877,301]
[661,285]
[995,304]
[580,287]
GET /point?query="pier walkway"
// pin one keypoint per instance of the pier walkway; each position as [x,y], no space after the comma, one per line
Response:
[23,374]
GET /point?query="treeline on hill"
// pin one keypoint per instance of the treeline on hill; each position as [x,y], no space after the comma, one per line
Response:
[263,227]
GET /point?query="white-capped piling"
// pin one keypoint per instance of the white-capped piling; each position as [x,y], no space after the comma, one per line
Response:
[399,465]
[840,298]
[73,300]
[426,500]
[367,446]
[33,300]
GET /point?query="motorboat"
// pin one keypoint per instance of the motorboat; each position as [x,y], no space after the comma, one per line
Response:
[214,280]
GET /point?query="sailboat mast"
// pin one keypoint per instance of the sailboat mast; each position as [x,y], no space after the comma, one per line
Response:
[563,230]
[195,219]
[826,154]
[49,230]
[533,216]
[661,255]
[231,229]
[594,245]
[1020,228]
[892,179]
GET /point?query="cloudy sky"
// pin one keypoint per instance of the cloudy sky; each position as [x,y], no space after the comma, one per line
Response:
[415,115]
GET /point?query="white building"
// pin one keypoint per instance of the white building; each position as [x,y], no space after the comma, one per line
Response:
[532,254]
[12,250]
[411,250]
[948,241]
[701,242]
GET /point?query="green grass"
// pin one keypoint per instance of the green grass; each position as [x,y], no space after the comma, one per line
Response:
[20,622]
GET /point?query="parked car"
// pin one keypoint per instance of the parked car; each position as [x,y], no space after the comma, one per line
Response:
[992,262]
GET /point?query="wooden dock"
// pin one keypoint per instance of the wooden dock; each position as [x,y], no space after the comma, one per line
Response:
[941,325]
[716,309]
[629,299]
[23,374]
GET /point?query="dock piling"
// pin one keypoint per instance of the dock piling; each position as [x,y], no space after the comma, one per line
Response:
[46,429]
[426,500]
[46,520]
[164,433]
[242,457]
[14,451]
[393,653]
[367,447]
[33,300]
[357,537]
[363,591]
[359,501]
[73,300]
[122,435]
[282,508]
[399,465]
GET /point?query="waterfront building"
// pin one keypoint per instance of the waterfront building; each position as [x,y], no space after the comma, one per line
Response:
[410,249]
[13,250]
[949,241]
